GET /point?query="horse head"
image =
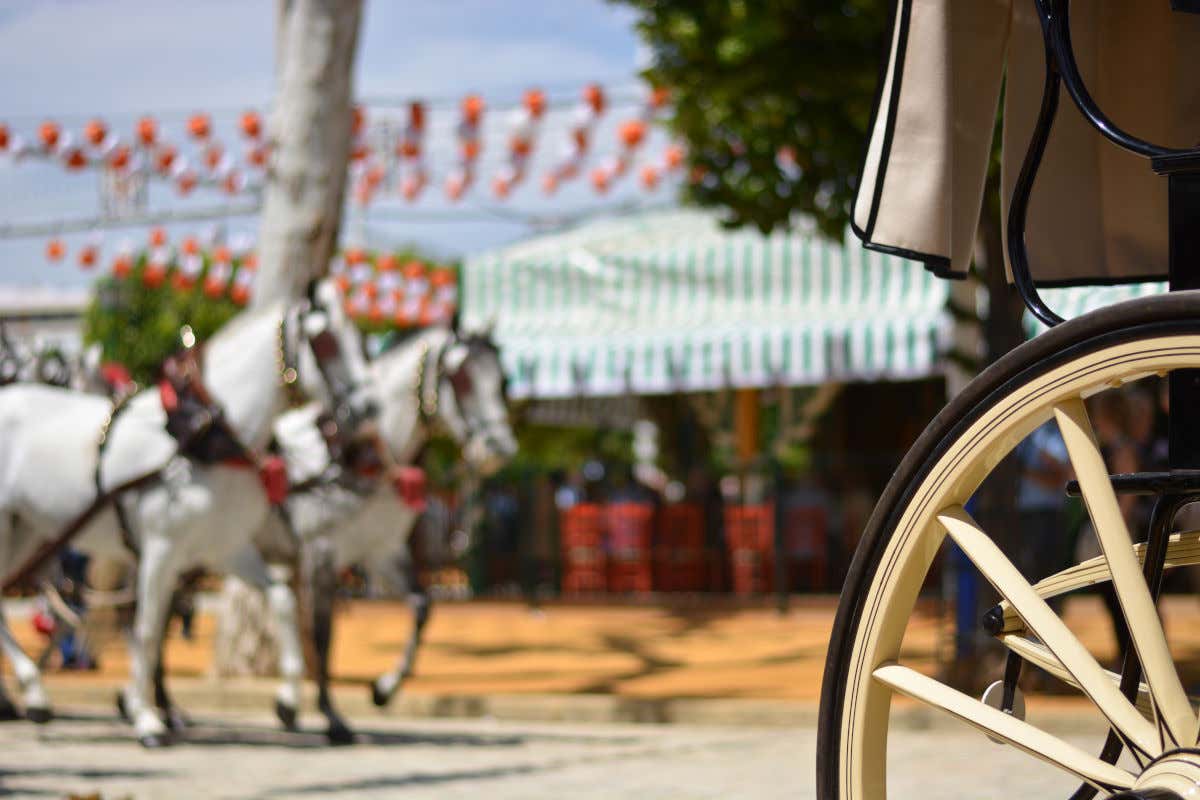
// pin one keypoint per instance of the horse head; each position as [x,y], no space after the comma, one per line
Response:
[472,399]
[332,368]
[52,368]
[286,354]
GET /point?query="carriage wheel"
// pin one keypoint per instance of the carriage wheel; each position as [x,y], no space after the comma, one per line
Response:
[1045,379]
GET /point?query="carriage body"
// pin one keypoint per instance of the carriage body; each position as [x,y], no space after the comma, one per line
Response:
[1100,186]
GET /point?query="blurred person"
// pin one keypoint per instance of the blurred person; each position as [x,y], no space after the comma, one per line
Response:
[1116,418]
[1041,502]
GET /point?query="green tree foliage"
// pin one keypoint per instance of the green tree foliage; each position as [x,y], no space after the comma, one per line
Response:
[138,326]
[751,79]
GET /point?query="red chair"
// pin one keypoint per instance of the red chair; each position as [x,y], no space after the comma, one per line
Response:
[749,537]
[630,529]
[806,542]
[584,559]
[679,557]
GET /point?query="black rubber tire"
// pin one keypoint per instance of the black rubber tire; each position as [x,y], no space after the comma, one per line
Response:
[1175,313]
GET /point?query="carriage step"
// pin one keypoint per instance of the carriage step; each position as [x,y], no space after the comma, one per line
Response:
[994,697]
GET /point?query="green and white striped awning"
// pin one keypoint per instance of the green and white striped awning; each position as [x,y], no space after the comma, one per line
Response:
[670,301]
[1078,300]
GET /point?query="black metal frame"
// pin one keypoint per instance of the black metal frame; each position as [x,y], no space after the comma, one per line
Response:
[1181,483]
[1180,167]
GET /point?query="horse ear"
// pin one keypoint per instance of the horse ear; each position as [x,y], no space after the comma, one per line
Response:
[324,294]
[92,356]
[455,357]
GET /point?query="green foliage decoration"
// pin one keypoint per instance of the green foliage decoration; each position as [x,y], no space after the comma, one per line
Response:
[137,324]
[753,79]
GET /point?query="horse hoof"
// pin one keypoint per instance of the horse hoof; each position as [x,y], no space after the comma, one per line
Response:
[8,712]
[122,709]
[380,699]
[339,734]
[39,714]
[154,741]
[177,720]
[286,714]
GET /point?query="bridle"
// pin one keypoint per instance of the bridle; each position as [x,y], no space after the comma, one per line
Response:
[10,360]
[357,462]
[327,353]
[52,369]
[10,367]
[432,373]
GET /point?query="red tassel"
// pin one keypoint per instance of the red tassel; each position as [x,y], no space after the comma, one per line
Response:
[273,474]
[166,395]
[410,485]
[43,623]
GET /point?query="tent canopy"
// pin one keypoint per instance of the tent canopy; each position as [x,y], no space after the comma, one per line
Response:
[671,301]
[1074,301]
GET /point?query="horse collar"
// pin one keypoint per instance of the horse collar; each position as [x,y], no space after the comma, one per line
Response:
[427,406]
[288,363]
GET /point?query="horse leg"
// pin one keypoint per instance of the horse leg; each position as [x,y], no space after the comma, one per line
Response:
[33,696]
[29,678]
[8,709]
[384,687]
[321,579]
[174,716]
[156,576]
[274,581]
[282,602]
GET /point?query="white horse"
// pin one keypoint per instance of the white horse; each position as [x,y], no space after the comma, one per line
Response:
[194,513]
[435,378]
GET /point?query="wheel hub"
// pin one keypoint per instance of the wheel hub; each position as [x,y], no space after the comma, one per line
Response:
[1174,775]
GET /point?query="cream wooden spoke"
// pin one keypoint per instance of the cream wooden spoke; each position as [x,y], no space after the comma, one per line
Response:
[1145,629]
[1038,654]
[1075,658]
[1183,549]
[996,723]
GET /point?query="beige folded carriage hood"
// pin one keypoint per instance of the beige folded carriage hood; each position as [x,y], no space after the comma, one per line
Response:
[1098,214]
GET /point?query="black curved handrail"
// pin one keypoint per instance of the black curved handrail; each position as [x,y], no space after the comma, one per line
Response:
[1018,210]
[1056,23]
[1062,69]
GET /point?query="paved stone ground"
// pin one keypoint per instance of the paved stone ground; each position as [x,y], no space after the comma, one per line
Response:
[678,649]
[246,757]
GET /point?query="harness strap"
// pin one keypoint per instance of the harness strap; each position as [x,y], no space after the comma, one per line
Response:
[52,546]
[289,371]
[127,537]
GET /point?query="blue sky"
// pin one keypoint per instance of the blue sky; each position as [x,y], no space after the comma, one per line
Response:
[71,59]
